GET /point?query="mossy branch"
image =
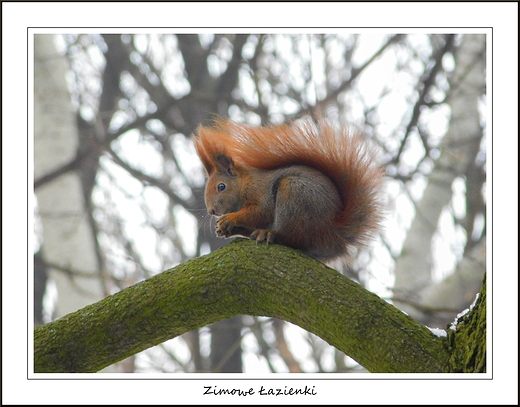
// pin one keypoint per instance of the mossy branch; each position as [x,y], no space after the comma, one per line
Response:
[242,278]
[468,340]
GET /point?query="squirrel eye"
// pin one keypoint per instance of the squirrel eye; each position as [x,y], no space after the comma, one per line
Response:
[221,187]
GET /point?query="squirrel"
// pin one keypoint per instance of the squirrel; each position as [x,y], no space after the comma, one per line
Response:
[301,184]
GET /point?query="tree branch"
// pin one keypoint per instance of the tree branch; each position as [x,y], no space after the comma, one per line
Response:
[242,278]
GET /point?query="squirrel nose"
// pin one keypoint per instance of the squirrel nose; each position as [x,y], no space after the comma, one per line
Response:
[211,211]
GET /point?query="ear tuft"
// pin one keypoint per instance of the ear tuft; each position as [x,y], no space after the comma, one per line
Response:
[225,165]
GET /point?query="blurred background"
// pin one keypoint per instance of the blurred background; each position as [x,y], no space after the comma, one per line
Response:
[118,188]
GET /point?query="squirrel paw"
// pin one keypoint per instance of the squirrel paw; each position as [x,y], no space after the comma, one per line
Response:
[262,235]
[224,226]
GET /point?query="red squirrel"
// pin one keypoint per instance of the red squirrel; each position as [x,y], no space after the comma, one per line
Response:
[301,184]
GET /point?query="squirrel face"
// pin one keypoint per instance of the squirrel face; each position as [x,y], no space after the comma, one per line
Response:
[223,189]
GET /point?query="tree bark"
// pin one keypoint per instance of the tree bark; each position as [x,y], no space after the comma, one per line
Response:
[242,278]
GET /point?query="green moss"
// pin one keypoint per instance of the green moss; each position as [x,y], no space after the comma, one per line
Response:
[468,341]
[242,278]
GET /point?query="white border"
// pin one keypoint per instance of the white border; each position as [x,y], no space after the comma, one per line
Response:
[18,16]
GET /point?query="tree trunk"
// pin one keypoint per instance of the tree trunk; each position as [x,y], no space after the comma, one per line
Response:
[460,147]
[68,240]
[464,339]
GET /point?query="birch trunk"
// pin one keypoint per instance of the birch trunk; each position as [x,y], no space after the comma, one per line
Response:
[68,241]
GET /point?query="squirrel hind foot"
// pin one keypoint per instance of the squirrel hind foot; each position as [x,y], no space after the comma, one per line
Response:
[263,235]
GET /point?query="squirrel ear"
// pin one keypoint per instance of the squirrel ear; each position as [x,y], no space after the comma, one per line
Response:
[225,165]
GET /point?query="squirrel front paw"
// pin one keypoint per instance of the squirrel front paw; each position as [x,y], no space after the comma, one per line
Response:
[225,226]
[263,235]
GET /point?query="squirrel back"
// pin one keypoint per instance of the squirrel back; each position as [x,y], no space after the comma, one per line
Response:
[258,178]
